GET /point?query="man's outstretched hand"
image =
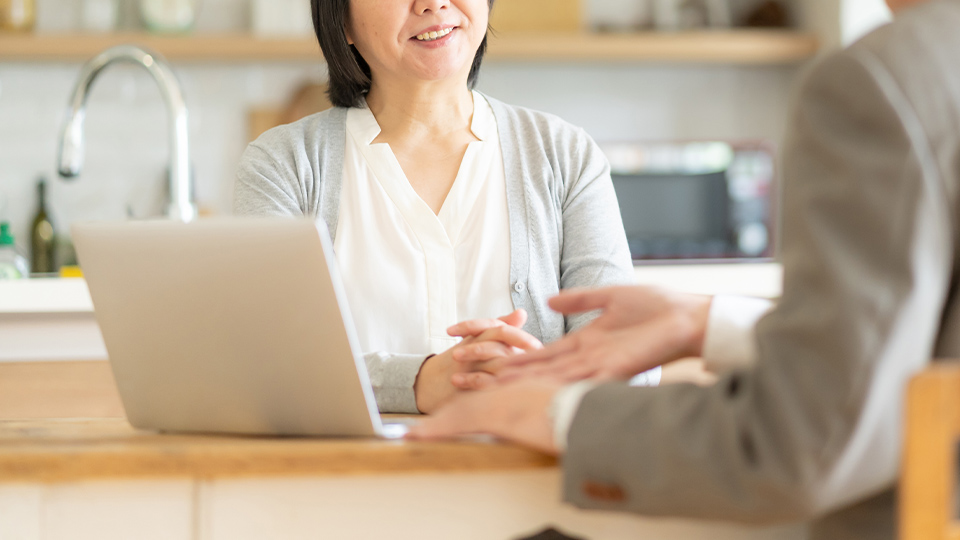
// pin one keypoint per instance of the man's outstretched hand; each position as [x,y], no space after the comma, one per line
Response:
[516,412]
[639,328]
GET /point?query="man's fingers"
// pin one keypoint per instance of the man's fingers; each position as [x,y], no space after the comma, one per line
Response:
[581,300]
[573,366]
[546,354]
[461,416]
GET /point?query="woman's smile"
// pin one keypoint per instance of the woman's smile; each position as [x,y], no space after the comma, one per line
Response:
[435,32]
[435,36]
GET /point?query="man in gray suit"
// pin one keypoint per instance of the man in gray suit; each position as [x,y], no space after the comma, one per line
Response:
[812,430]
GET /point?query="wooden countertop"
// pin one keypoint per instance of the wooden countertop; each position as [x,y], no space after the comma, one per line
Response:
[63,421]
[56,450]
[44,439]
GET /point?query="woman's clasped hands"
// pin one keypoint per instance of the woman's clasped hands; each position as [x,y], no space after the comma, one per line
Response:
[639,328]
[475,362]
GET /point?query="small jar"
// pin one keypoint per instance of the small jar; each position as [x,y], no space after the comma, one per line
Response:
[100,15]
[620,16]
[667,15]
[17,15]
[169,16]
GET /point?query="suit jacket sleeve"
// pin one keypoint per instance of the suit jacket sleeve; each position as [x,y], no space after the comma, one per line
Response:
[867,255]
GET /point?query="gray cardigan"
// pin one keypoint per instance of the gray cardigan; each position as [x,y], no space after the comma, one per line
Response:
[565,226]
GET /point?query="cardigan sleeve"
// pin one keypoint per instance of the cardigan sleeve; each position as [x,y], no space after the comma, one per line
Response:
[267,187]
[594,244]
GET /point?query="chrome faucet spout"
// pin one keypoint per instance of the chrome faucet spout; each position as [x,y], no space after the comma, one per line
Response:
[70,159]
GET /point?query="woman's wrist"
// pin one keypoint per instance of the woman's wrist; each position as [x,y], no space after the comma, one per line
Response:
[428,388]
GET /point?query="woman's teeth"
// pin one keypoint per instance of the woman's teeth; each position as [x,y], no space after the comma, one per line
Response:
[431,36]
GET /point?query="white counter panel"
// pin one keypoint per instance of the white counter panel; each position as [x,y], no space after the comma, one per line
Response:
[52,319]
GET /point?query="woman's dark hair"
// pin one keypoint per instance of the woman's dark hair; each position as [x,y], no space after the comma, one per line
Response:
[349,72]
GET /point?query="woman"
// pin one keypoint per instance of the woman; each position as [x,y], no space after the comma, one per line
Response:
[444,205]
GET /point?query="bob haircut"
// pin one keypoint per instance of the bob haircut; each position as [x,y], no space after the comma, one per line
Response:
[350,77]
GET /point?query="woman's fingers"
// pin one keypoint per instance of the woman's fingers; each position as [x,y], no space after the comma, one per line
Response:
[477,380]
[516,319]
[582,300]
[476,327]
[511,336]
[481,351]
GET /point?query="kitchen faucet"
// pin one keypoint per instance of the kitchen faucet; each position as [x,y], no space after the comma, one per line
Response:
[181,205]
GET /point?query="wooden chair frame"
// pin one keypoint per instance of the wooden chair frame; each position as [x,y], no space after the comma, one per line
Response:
[928,493]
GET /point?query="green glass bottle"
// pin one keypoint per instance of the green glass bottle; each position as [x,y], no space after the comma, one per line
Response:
[42,236]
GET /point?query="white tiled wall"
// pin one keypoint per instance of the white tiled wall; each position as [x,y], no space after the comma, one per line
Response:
[126,154]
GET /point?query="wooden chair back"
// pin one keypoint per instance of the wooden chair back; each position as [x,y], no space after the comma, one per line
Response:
[928,484]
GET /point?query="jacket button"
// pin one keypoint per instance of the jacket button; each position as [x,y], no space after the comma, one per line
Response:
[519,286]
[611,493]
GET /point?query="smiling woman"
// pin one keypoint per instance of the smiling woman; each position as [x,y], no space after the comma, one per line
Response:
[445,205]
[350,72]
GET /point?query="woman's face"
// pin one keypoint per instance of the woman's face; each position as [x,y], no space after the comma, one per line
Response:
[423,39]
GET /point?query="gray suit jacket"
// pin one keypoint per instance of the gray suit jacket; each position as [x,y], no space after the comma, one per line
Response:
[813,431]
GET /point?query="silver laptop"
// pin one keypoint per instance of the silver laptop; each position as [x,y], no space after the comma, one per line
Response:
[231,326]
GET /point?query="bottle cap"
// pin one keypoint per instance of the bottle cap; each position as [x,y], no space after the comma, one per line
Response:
[6,237]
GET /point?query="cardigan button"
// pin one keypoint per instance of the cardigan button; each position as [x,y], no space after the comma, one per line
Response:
[519,287]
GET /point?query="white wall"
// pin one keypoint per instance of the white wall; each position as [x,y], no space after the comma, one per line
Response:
[126,125]
[859,17]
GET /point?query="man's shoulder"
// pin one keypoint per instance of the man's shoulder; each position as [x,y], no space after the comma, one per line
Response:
[913,61]
[923,41]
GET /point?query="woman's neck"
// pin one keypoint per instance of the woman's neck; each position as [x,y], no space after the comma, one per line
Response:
[429,109]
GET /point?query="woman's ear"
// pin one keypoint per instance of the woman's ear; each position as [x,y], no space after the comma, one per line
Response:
[346,30]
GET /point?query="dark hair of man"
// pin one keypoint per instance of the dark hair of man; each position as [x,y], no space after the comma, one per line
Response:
[349,73]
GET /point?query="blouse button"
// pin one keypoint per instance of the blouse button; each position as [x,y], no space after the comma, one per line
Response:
[519,287]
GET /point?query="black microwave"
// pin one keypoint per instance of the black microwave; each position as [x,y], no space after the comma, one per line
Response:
[696,201]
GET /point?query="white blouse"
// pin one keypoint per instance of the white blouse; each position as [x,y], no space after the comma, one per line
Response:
[410,274]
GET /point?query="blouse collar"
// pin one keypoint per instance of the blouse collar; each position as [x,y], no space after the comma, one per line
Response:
[365,126]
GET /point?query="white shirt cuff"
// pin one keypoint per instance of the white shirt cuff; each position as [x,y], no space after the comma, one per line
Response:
[647,378]
[729,342]
[564,407]
[566,402]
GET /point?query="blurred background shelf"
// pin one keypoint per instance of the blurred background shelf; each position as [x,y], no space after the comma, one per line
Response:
[732,47]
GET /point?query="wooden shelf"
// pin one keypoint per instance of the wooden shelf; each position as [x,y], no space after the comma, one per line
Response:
[733,47]
[212,47]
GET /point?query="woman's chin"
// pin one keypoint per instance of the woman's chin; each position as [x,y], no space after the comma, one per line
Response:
[440,71]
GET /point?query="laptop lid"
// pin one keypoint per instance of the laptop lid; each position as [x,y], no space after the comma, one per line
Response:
[228,325]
